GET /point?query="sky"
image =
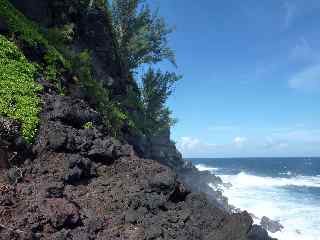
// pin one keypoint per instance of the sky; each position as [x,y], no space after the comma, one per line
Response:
[251,77]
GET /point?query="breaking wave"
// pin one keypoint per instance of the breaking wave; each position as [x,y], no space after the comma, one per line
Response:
[292,200]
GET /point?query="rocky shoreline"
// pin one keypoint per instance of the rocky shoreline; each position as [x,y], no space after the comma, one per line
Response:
[77,182]
[81,184]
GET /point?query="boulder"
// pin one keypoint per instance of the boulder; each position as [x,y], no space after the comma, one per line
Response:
[12,145]
[73,112]
[80,168]
[257,232]
[9,129]
[102,150]
[61,213]
[270,225]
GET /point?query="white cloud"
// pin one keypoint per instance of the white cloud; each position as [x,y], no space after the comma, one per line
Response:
[239,141]
[194,145]
[188,143]
[308,79]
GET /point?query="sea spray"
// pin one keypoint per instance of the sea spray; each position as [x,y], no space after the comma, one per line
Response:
[290,198]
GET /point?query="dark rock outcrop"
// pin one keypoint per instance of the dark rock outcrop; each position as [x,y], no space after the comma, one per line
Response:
[87,185]
[162,149]
[270,225]
[12,146]
[258,232]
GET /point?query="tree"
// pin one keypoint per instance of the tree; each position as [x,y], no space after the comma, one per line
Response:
[142,38]
[156,87]
[141,34]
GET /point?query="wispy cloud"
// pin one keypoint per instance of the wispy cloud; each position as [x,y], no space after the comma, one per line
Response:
[308,79]
[307,136]
[194,146]
[299,133]
[303,53]
[274,144]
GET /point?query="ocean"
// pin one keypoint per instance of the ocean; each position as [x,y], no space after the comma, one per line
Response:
[283,189]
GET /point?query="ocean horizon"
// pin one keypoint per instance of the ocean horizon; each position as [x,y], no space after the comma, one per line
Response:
[283,189]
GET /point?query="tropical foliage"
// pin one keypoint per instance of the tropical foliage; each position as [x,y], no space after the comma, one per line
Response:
[141,34]
[18,90]
[142,37]
[156,87]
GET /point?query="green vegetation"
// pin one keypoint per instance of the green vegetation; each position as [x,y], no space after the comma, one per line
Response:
[18,23]
[88,125]
[142,40]
[98,95]
[18,91]
[141,34]
[25,30]
[155,90]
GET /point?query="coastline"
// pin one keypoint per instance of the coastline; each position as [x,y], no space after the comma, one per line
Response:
[295,207]
[78,178]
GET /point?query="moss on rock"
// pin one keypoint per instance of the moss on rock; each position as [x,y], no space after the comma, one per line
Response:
[18,90]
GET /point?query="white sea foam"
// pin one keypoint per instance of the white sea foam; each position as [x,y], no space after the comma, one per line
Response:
[203,167]
[288,173]
[266,196]
[271,197]
[248,180]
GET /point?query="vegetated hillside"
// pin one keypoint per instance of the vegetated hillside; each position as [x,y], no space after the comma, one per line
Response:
[72,165]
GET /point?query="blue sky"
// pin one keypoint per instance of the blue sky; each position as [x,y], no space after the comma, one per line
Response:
[251,82]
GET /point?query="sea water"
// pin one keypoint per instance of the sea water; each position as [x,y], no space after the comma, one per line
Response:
[283,189]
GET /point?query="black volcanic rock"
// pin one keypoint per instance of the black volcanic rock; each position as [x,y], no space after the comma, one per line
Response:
[83,195]
[256,232]
[270,225]
[73,112]
[13,148]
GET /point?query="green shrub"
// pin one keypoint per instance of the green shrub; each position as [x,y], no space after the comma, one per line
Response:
[115,117]
[24,29]
[18,90]
[88,125]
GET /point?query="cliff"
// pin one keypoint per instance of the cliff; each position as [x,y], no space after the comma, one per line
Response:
[76,181]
